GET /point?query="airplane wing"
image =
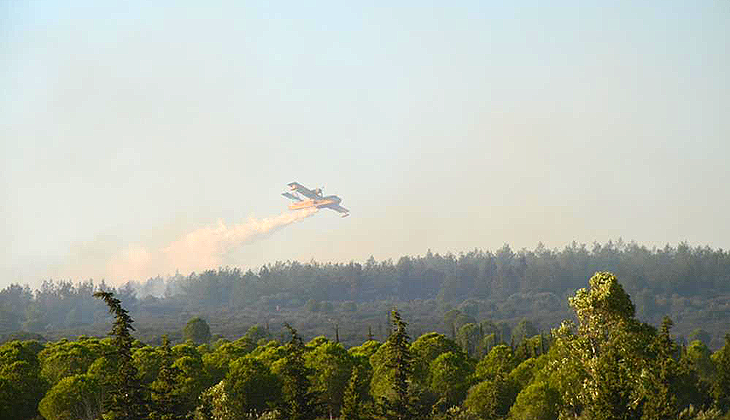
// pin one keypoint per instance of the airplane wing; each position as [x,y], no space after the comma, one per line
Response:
[301,189]
[338,208]
[292,196]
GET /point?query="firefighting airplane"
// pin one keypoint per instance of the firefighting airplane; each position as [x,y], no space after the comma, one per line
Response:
[315,199]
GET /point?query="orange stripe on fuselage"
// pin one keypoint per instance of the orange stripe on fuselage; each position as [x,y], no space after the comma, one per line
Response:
[311,203]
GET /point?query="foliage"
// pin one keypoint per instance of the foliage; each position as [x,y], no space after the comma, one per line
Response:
[251,387]
[167,403]
[697,355]
[425,350]
[609,365]
[74,397]
[216,363]
[197,330]
[355,396]
[500,360]
[609,349]
[450,378]
[692,413]
[538,401]
[192,379]
[700,334]
[65,358]
[491,398]
[331,365]
[525,372]
[399,364]
[523,331]
[661,377]
[366,349]
[721,386]
[21,385]
[300,400]
[214,404]
[689,284]
[127,400]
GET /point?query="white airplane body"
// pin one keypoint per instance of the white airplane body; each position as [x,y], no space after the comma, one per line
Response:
[314,199]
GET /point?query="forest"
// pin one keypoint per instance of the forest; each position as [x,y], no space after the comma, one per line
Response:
[450,294]
[606,364]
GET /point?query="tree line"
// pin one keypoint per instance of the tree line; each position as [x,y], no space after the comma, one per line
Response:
[607,364]
[690,284]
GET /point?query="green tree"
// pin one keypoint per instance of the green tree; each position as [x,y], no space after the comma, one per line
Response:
[331,365]
[538,401]
[525,372]
[399,362]
[251,387]
[450,377]
[425,350]
[104,371]
[127,400]
[300,400]
[366,349]
[197,330]
[192,379]
[73,398]
[524,330]
[167,403]
[217,362]
[491,398]
[609,350]
[721,385]
[149,361]
[564,373]
[500,359]
[701,335]
[699,358]
[660,381]
[65,358]
[355,396]
[21,385]
[381,374]
[470,337]
[20,390]
[213,404]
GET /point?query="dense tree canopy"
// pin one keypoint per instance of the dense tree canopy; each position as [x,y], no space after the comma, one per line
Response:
[689,284]
[197,330]
[605,363]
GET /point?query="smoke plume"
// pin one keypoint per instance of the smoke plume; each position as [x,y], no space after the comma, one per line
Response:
[198,250]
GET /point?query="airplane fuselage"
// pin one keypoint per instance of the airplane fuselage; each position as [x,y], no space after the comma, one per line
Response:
[315,199]
[316,202]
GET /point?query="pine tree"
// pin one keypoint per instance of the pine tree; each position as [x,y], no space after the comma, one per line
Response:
[127,399]
[661,380]
[300,400]
[167,404]
[399,360]
[352,400]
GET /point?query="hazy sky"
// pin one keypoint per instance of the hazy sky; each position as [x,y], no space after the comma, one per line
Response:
[129,130]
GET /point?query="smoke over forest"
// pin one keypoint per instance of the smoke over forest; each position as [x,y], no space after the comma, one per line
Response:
[197,250]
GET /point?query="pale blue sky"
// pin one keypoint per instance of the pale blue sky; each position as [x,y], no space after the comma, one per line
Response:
[130,124]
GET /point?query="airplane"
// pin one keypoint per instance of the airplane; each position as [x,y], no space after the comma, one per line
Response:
[315,199]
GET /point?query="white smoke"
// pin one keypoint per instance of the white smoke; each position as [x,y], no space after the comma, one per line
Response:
[198,250]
